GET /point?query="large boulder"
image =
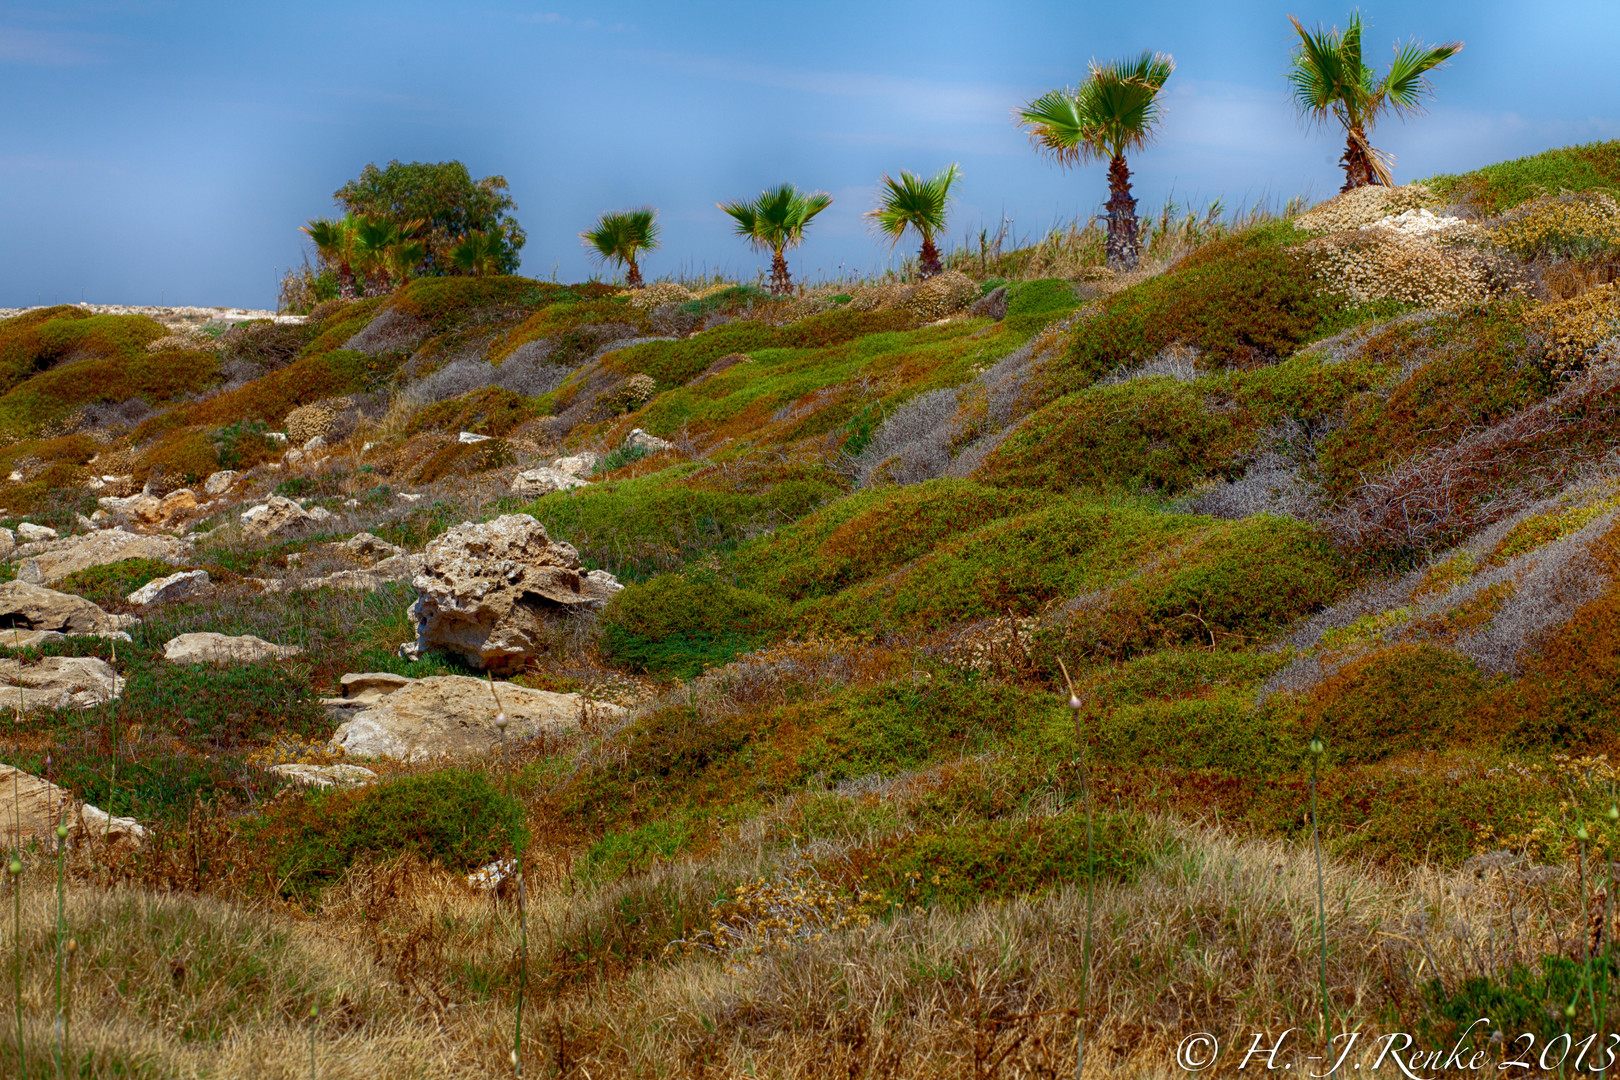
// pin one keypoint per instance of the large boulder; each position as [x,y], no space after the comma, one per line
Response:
[58,682]
[494,593]
[30,533]
[532,483]
[210,648]
[579,465]
[54,560]
[34,808]
[280,517]
[452,715]
[33,607]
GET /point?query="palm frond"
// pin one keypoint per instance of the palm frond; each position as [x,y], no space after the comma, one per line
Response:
[1114,110]
[777,219]
[914,202]
[619,235]
[1406,85]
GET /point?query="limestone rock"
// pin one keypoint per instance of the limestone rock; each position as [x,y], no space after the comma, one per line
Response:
[179,501]
[8,542]
[59,682]
[314,444]
[166,590]
[13,639]
[34,607]
[325,776]
[453,715]
[386,571]
[42,805]
[369,687]
[281,517]
[368,547]
[211,648]
[57,559]
[494,592]
[640,440]
[29,533]
[532,483]
[471,437]
[219,483]
[141,507]
[581,464]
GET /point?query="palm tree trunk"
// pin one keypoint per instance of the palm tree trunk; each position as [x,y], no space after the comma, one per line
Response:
[1357,161]
[632,279]
[781,284]
[928,264]
[1124,250]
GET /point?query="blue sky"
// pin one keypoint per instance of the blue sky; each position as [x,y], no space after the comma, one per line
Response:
[170,151]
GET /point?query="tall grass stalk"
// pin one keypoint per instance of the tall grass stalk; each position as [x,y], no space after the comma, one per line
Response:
[314,1015]
[1316,748]
[523,922]
[1091,878]
[15,870]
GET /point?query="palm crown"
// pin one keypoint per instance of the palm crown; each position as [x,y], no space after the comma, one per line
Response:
[1329,78]
[619,235]
[1113,112]
[478,252]
[372,249]
[913,202]
[775,222]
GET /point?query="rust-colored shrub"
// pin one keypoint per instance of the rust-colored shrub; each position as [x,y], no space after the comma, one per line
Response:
[185,456]
[1409,696]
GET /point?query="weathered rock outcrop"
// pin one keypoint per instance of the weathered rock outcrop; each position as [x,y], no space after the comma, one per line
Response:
[28,607]
[641,440]
[281,517]
[579,465]
[532,483]
[325,776]
[494,592]
[451,715]
[210,648]
[54,560]
[166,590]
[58,682]
[41,805]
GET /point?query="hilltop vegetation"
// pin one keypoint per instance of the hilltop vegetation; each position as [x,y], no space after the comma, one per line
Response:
[1310,476]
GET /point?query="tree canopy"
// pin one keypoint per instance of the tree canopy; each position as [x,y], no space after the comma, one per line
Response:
[450,203]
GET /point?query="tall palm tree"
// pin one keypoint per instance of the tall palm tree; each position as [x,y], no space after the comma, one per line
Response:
[1329,79]
[1113,111]
[334,242]
[477,252]
[374,238]
[775,221]
[619,234]
[912,202]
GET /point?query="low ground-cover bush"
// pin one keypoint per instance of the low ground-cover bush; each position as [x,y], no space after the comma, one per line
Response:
[962,865]
[870,534]
[678,624]
[308,379]
[38,340]
[155,378]
[1508,183]
[454,817]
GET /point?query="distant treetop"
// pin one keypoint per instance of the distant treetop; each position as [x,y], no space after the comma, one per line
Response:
[444,196]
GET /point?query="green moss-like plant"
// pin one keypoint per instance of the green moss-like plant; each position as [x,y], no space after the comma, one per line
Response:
[678,624]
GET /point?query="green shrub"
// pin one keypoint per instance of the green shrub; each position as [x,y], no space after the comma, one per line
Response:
[185,454]
[308,379]
[1044,297]
[963,865]
[870,534]
[1247,307]
[490,410]
[244,444]
[678,624]
[1508,183]
[454,817]
[38,340]
[1155,433]
[1404,697]
[445,302]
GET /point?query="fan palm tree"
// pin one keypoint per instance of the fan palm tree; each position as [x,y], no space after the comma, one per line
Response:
[374,238]
[1329,79]
[334,242]
[912,202]
[1115,110]
[775,221]
[618,235]
[477,252]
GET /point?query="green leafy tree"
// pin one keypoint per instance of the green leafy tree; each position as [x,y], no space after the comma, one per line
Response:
[912,202]
[775,222]
[478,253]
[618,235]
[1114,111]
[446,199]
[1329,78]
